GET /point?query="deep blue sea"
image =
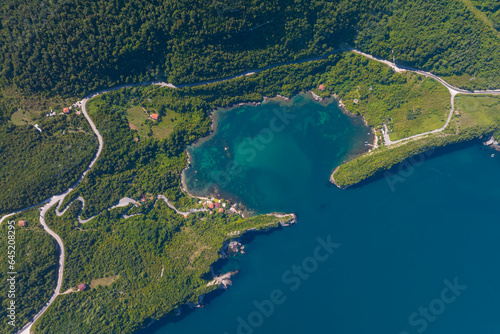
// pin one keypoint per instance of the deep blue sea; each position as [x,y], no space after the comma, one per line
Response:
[415,251]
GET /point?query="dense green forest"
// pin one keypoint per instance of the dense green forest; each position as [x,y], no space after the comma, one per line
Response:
[492,10]
[137,249]
[36,264]
[73,47]
[442,36]
[70,47]
[35,166]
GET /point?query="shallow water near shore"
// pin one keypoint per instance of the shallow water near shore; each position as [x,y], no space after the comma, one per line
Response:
[411,253]
[264,156]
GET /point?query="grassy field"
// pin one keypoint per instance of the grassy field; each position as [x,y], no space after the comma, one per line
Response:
[139,120]
[477,110]
[408,103]
[104,281]
[427,109]
[30,107]
[138,104]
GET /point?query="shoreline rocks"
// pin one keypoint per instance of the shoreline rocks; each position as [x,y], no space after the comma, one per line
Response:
[493,143]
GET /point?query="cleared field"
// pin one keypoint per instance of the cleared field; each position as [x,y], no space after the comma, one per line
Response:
[105,281]
[139,120]
[477,110]
[30,107]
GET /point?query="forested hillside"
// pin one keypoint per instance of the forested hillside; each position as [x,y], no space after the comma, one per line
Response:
[36,165]
[492,10]
[70,47]
[78,46]
[441,36]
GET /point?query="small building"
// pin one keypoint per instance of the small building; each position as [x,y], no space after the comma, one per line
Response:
[321,87]
[136,139]
[22,223]
[211,205]
[66,110]
[78,113]
[457,112]
[221,210]
[185,216]
[82,287]
[155,117]
[217,205]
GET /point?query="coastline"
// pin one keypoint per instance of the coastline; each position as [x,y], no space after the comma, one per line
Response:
[332,179]
[374,163]
[212,130]
[332,98]
[493,143]
[219,282]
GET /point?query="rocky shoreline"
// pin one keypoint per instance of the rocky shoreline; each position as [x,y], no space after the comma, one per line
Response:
[230,248]
[493,143]
[332,179]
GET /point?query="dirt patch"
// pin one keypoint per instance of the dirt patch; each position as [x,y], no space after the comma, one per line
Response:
[105,281]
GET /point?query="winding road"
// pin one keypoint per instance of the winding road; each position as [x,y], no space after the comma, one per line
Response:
[58,199]
[453,92]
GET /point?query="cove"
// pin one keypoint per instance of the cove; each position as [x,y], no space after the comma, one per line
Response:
[419,256]
[266,155]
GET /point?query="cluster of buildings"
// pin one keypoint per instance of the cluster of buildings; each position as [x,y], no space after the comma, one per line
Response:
[215,205]
[65,111]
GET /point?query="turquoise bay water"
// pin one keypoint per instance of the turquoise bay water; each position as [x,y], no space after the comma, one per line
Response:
[417,256]
[266,155]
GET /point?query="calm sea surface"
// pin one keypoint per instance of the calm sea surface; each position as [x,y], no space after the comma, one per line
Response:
[417,251]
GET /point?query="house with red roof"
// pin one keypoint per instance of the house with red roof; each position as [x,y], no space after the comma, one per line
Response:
[66,110]
[155,117]
[82,287]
